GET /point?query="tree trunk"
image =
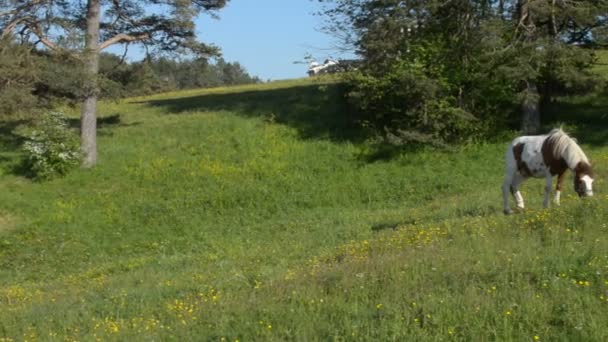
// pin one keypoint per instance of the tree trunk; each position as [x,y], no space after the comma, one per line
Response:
[501,9]
[530,123]
[88,117]
[530,107]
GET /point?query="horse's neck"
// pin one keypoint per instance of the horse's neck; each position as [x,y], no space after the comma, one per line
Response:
[573,155]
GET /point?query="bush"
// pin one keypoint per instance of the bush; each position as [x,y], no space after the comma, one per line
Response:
[52,149]
[405,105]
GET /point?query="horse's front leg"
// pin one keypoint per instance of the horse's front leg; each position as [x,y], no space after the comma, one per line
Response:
[548,183]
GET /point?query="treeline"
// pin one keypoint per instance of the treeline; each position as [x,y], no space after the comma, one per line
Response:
[164,74]
[31,80]
[443,72]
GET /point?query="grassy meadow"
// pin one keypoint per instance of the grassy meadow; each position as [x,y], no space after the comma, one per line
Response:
[257,213]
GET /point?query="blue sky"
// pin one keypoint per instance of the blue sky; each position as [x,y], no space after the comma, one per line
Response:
[267,36]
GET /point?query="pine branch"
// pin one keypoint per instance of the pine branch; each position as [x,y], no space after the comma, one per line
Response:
[124,38]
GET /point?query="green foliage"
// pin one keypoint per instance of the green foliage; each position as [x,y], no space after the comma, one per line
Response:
[19,71]
[567,70]
[35,81]
[225,213]
[51,149]
[600,65]
[161,75]
[144,81]
[166,26]
[60,80]
[475,61]
[410,106]
[201,73]
[59,77]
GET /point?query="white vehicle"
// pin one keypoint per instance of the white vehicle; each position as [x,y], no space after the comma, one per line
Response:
[315,68]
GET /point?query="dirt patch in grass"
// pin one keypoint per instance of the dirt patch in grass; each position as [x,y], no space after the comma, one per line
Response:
[7,222]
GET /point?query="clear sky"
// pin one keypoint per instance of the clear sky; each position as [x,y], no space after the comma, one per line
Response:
[268,36]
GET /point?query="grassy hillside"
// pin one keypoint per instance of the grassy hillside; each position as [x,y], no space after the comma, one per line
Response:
[259,213]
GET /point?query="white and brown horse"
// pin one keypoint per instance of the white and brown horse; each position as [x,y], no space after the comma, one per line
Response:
[545,156]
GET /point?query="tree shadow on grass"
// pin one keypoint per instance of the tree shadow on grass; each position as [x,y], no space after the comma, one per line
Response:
[9,140]
[10,146]
[11,156]
[104,124]
[317,112]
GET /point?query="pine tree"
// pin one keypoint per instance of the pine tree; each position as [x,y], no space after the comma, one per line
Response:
[83,29]
[19,71]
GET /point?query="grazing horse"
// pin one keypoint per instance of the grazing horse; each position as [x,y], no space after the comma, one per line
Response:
[545,156]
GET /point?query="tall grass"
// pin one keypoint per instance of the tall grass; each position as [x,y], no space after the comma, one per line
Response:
[262,214]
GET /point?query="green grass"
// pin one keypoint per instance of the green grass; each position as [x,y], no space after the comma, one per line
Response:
[601,63]
[260,213]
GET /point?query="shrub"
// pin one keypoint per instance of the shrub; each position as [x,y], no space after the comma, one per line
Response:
[52,149]
[405,105]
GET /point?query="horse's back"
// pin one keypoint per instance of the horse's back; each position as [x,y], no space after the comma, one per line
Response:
[525,152]
[524,145]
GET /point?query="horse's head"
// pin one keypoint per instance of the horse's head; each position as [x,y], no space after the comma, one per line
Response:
[583,180]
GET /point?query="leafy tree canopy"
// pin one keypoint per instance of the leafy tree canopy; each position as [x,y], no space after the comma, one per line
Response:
[441,71]
[167,26]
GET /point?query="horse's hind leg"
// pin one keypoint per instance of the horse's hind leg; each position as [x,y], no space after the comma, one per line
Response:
[511,185]
[515,183]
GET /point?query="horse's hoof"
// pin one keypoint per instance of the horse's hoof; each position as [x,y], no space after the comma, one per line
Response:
[508,211]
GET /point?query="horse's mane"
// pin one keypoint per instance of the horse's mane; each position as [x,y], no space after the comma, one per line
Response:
[566,147]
